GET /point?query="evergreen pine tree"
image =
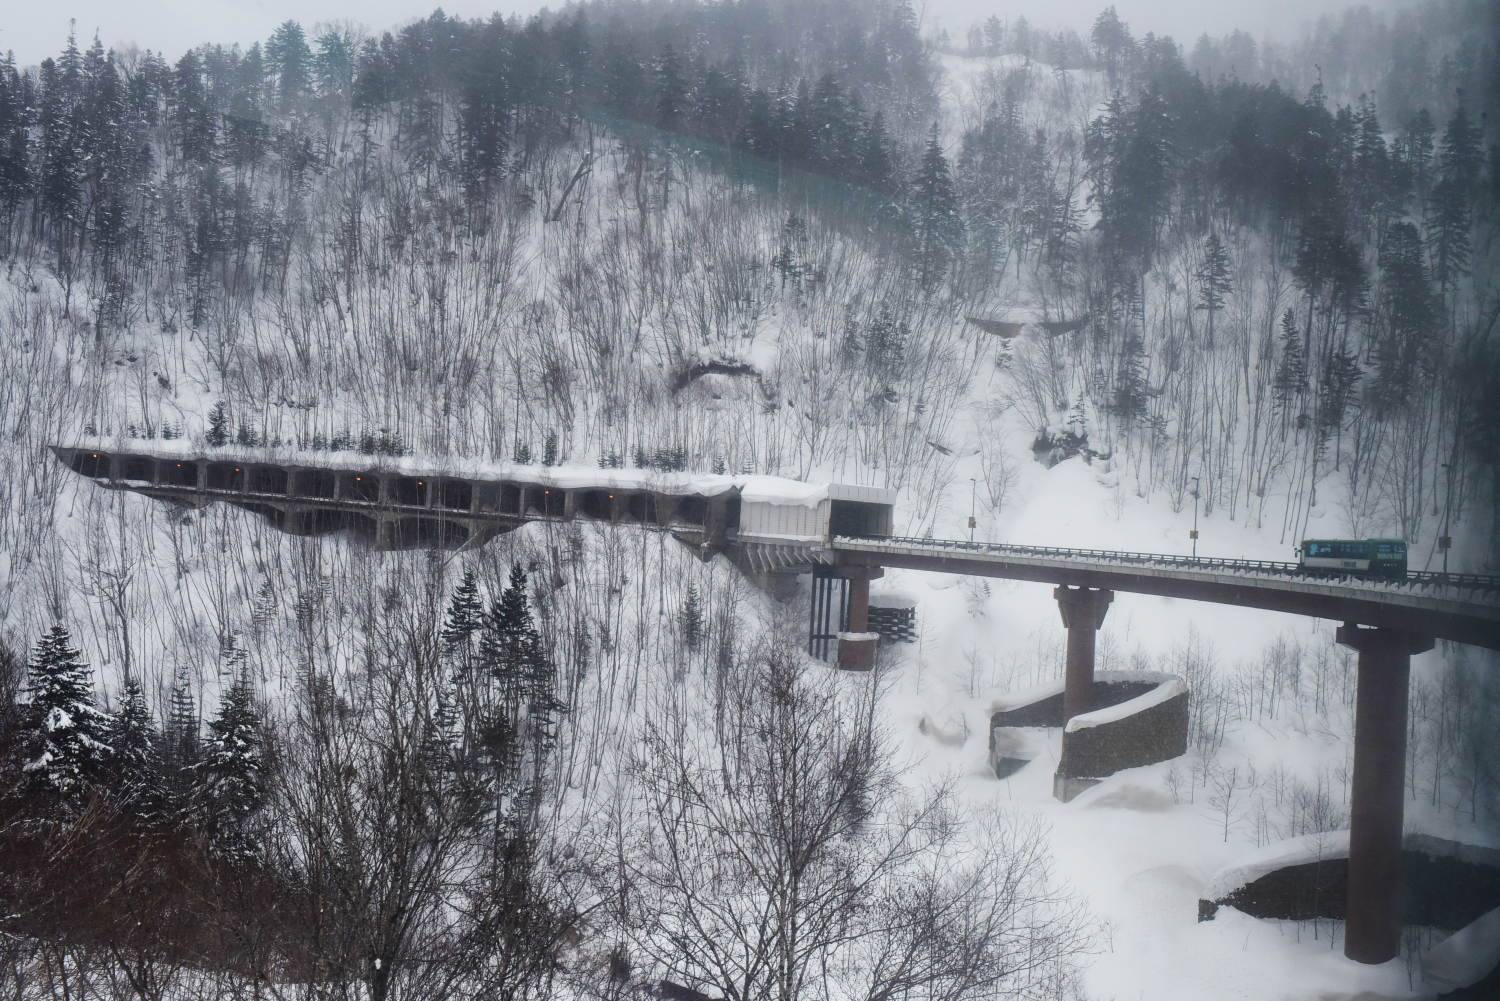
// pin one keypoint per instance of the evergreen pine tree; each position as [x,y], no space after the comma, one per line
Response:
[875,167]
[181,747]
[465,612]
[1214,281]
[291,59]
[671,90]
[135,765]
[1078,426]
[1372,172]
[1450,225]
[521,734]
[440,736]
[939,227]
[465,615]
[15,181]
[230,784]
[692,618]
[508,645]
[1410,312]
[66,735]
[1291,370]
[1112,42]
[1337,392]
[1462,151]
[1130,402]
[1416,150]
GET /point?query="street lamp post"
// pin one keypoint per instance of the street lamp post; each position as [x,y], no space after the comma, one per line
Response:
[1445,542]
[973,505]
[1194,533]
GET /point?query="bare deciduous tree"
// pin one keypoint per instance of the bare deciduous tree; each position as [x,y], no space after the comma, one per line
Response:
[773,854]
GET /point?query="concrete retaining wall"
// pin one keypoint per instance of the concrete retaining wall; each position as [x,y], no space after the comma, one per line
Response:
[1154,734]
[1159,730]
[1443,885]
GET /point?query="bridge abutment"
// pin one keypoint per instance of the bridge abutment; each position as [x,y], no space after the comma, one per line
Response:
[1372,930]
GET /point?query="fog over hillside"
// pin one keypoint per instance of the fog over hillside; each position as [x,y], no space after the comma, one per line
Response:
[1118,283]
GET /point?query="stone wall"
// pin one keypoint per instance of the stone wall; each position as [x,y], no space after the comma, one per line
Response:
[1157,730]
[1154,734]
[1048,711]
[1438,890]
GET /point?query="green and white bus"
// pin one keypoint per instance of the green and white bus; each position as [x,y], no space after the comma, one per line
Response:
[1376,557]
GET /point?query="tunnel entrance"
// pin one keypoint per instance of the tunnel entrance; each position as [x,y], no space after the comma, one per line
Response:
[857,518]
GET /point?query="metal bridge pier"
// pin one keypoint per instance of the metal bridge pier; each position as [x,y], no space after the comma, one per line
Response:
[1372,928]
[858,654]
[1083,611]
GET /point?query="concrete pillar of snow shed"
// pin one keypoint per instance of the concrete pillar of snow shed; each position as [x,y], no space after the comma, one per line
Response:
[857,644]
[1372,928]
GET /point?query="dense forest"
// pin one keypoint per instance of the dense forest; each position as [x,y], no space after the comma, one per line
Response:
[1278,285]
[413,774]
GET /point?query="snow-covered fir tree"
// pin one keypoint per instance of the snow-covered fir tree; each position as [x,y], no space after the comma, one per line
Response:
[692,618]
[230,775]
[512,653]
[135,764]
[181,746]
[66,736]
[465,615]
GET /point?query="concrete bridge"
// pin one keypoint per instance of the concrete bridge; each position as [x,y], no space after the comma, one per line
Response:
[844,533]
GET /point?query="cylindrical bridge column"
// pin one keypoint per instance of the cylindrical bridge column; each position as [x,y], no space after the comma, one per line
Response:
[857,644]
[1372,929]
[1083,612]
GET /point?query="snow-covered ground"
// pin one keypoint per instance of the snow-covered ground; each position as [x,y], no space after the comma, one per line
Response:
[1140,848]
[1141,855]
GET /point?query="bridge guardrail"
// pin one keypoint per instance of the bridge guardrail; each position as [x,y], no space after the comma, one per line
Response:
[1419,578]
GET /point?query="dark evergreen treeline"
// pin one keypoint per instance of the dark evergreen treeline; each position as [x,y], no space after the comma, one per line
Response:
[469,99]
[112,161]
[1173,158]
[305,844]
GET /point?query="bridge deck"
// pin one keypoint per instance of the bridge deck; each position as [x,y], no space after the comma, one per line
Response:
[1461,607]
